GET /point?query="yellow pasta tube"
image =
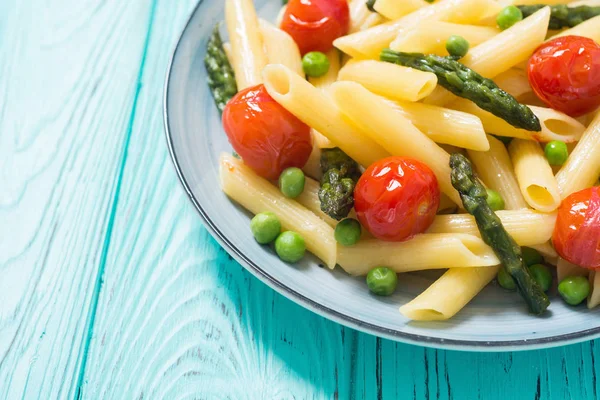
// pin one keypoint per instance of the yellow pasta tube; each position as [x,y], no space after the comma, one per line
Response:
[495,169]
[594,297]
[426,251]
[589,29]
[309,198]
[565,268]
[449,294]
[378,120]
[248,56]
[323,82]
[359,14]
[431,38]
[527,227]
[583,165]
[280,47]
[394,9]
[390,80]
[514,81]
[555,125]
[534,175]
[318,110]
[369,43]
[258,195]
[312,167]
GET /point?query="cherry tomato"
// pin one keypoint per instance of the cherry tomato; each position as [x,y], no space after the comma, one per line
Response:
[315,24]
[267,136]
[397,198]
[576,235]
[565,74]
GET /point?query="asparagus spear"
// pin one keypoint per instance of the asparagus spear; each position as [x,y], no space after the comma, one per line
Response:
[464,82]
[340,174]
[473,196]
[221,78]
[563,16]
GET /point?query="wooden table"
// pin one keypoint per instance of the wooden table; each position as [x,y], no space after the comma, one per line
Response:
[110,287]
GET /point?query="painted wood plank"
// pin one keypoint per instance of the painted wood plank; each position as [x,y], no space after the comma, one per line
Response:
[68,81]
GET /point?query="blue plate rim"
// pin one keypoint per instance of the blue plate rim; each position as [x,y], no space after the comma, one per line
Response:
[330,313]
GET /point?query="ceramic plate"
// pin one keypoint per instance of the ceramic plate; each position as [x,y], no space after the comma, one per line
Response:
[495,320]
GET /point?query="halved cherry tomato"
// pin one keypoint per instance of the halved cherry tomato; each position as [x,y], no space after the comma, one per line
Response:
[267,136]
[576,235]
[565,74]
[397,198]
[315,24]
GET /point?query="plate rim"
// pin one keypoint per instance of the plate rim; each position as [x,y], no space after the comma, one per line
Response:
[328,312]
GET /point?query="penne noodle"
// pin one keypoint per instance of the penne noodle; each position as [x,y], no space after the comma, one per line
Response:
[565,268]
[248,56]
[359,13]
[447,206]
[331,76]
[527,227]
[426,251]
[312,167]
[258,195]
[449,294]
[534,175]
[390,80]
[281,48]
[547,251]
[394,9]
[589,29]
[582,168]
[515,82]
[378,120]
[594,297]
[280,15]
[443,125]
[431,38]
[227,49]
[309,198]
[371,21]
[318,110]
[555,125]
[369,43]
[495,169]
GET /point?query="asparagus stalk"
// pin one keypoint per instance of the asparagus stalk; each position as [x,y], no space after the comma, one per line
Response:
[464,82]
[563,16]
[221,78]
[473,196]
[340,174]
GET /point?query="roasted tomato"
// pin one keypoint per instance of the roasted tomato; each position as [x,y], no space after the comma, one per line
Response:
[576,235]
[565,74]
[397,198]
[267,136]
[315,24]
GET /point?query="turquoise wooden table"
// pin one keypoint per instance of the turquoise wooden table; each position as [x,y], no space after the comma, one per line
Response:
[111,288]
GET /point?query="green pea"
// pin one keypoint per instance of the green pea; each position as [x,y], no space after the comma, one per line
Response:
[457,46]
[531,256]
[505,280]
[291,182]
[290,246]
[315,64]
[574,289]
[556,152]
[495,200]
[382,281]
[542,276]
[265,227]
[347,232]
[508,17]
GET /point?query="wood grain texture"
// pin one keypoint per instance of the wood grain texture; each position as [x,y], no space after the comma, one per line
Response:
[110,287]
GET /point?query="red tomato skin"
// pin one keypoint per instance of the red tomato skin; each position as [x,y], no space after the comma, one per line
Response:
[565,74]
[266,136]
[315,24]
[397,198]
[576,235]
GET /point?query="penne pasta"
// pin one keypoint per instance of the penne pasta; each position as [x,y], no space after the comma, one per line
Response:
[369,43]
[247,54]
[394,9]
[515,82]
[527,227]
[312,167]
[371,21]
[281,48]
[443,125]
[318,110]
[331,76]
[378,120]
[431,38]
[257,195]
[565,268]
[534,175]
[555,125]
[594,297]
[449,294]
[309,198]
[582,168]
[495,169]
[589,29]
[426,251]
[359,13]
[390,80]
